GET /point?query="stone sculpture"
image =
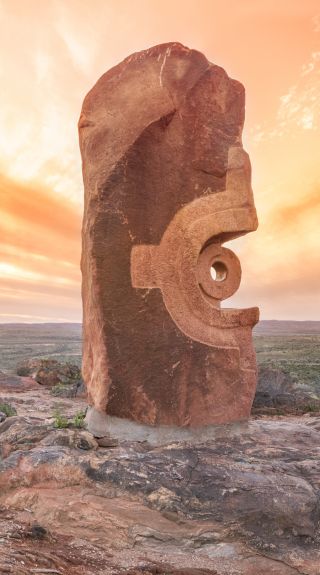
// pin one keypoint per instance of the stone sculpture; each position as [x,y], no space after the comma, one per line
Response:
[167,182]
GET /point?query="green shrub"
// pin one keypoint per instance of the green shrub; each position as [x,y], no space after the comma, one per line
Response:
[64,390]
[312,407]
[57,389]
[8,409]
[60,420]
[78,420]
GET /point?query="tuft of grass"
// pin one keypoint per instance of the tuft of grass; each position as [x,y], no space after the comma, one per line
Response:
[8,409]
[78,420]
[60,420]
[57,389]
[312,408]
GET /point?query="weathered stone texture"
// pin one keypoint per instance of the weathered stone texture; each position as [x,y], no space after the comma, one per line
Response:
[166,183]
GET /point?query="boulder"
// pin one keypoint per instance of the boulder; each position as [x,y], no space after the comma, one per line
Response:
[14,383]
[50,372]
[276,390]
[74,438]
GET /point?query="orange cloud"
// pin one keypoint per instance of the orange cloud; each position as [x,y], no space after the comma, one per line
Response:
[39,252]
[280,262]
[39,221]
[296,213]
[39,207]
[52,52]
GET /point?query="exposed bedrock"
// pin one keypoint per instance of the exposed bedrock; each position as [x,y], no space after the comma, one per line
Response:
[245,503]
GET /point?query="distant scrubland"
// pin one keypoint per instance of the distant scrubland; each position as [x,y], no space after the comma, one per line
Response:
[292,346]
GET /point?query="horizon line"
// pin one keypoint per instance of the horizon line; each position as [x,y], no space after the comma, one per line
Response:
[53,322]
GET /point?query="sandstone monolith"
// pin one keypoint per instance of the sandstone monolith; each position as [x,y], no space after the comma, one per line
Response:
[167,183]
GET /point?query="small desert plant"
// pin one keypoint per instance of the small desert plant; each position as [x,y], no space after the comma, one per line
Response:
[23,371]
[57,389]
[312,407]
[279,411]
[64,390]
[8,409]
[60,420]
[78,420]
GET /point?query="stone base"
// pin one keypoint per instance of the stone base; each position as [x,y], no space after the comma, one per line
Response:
[102,425]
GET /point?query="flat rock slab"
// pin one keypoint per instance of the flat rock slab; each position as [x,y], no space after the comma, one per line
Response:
[246,502]
[15,383]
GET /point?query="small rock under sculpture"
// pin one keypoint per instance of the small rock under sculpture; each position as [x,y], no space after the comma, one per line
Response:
[167,182]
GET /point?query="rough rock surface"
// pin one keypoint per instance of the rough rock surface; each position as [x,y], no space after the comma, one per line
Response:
[167,182]
[15,383]
[277,391]
[50,372]
[245,504]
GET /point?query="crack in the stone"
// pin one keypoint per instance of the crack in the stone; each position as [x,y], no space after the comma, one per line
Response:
[216,173]
[192,468]
[277,560]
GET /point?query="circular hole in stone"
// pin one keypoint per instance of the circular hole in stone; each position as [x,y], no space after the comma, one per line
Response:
[218,271]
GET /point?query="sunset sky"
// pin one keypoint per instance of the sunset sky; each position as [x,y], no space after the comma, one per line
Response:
[53,51]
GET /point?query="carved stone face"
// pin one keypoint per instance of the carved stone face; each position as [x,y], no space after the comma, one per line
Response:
[190,266]
[167,183]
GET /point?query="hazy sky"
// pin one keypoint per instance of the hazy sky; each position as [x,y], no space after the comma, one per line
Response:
[53,51]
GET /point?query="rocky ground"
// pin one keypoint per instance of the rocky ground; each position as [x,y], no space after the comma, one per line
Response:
[245,503]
